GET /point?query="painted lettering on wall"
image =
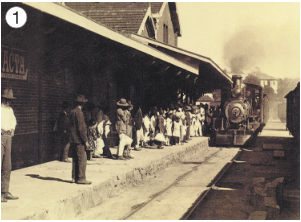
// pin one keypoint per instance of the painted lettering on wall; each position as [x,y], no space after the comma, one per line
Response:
[13,64]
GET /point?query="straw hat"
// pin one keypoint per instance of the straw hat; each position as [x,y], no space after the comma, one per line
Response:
[81,98]
[8,94]
[187,108]
[122,102]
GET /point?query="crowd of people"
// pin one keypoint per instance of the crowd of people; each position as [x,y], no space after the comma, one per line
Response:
[134,129]
[89,133]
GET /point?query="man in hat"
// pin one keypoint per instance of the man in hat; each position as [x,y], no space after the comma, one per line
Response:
[188,122]
[8,125]
[63,123]
[120,126]
[79,142]
[129,129]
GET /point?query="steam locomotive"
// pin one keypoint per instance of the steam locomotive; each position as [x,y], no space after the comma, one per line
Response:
[244,112]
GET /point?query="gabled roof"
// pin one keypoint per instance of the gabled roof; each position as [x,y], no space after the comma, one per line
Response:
[119,16]
[124,17]
[156,7]
[262,76]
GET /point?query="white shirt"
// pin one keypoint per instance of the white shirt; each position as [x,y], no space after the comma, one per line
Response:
[176,129]
[146,122]
[8,119]
[153,123]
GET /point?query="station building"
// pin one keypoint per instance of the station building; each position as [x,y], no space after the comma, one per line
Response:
[68,48]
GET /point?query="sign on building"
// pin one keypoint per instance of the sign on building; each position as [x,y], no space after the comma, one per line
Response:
[14,64]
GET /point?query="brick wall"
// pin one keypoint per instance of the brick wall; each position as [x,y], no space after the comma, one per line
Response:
[25,141]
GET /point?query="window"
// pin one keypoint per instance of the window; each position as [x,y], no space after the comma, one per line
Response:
[274,83]
[165,33]
[150,28]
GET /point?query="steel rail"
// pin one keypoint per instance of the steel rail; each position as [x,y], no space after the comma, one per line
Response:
[211,186]
[172,185]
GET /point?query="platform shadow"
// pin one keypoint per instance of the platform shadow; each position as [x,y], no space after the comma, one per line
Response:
[48,178]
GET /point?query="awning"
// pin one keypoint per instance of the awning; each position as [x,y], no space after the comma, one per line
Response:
[193,59]
[67,14]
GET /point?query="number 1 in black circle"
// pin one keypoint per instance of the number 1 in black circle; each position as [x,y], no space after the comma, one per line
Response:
[16,16]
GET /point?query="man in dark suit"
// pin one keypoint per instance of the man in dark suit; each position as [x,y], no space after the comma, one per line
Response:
[63,124]
[188,122]
[79,142]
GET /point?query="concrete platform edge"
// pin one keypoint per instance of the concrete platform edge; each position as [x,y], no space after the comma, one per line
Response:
[97,194]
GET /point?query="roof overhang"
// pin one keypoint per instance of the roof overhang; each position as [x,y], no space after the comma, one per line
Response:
[71,16]
[194,59]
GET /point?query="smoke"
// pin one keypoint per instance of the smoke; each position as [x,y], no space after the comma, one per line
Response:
[243,50]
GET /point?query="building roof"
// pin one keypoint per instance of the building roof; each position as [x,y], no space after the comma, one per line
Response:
[205,98]
[156,7]
[119,16]
[263,76]
[71,16]
[190,58]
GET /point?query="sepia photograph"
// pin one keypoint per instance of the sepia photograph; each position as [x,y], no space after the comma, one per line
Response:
[150,110]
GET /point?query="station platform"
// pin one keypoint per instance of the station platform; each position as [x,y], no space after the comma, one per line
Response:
[46,191]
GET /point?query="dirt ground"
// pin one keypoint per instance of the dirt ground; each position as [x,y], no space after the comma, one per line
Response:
[235,204]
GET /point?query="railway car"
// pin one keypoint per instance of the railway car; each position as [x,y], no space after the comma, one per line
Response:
[293,112]
[242,114]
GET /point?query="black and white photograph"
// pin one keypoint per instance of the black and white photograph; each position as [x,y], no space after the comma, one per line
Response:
[150,110]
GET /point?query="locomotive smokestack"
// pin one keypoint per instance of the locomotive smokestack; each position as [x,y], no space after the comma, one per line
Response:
[236,91]
[236,81]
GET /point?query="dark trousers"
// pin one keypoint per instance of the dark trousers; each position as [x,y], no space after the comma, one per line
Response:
[64,143]
[177,139]
[187,132]
[79,161]
[106,149]
[6,162]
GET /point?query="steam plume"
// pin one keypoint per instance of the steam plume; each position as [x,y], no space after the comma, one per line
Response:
[243,50]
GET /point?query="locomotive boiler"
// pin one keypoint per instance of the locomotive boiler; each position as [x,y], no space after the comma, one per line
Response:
[241,114]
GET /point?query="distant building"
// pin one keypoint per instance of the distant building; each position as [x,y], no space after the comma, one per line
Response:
[267,80]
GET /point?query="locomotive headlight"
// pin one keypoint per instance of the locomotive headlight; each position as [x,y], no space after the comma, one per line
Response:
[235,112]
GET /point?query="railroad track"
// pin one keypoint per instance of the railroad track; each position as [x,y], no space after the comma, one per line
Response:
[212,185]
[185,175]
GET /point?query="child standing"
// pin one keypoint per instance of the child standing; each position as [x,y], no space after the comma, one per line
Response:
[106,130]
[92,137]
[160,130]
[177,130]
[168,133]
[146,127]
[153,124]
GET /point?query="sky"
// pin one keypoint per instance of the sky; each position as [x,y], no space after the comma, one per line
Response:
[240,36]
